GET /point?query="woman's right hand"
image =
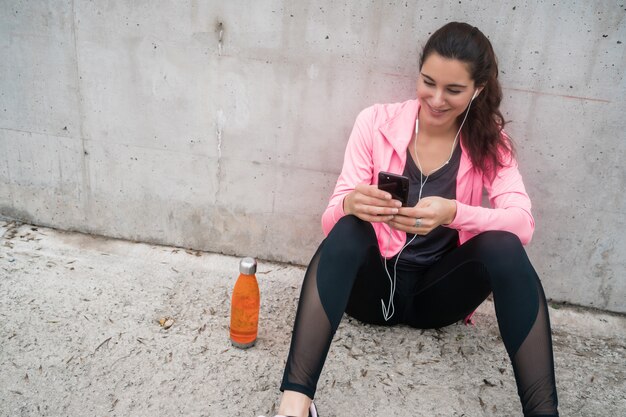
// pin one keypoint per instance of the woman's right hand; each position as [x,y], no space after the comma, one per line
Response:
[369,203]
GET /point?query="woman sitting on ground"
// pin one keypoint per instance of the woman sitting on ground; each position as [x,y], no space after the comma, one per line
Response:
[433,262]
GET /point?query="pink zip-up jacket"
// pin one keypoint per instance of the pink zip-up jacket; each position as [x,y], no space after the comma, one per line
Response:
[379,141]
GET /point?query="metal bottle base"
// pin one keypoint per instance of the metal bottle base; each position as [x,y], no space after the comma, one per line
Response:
[243,345]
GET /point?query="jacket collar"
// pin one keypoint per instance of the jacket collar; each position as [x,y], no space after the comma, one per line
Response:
[399,129]
[466,164]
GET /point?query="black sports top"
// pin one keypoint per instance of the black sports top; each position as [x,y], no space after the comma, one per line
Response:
[426,250]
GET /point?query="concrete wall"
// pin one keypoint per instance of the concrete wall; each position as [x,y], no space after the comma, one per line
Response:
[221,125]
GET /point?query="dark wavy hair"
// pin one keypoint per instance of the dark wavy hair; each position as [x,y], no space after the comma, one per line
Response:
[482,133]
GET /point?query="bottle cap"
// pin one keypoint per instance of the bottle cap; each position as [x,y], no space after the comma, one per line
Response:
[247,266]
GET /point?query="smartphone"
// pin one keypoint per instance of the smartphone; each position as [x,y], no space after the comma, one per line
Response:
[396,185]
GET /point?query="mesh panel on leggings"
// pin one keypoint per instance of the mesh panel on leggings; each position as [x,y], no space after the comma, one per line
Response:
[303,366]
[533,364]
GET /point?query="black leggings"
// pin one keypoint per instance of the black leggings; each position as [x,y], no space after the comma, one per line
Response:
[347,274]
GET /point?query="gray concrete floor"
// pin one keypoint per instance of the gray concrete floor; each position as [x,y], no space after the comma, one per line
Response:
[80,336]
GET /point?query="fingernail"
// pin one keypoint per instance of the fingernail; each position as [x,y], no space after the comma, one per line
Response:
[394,211]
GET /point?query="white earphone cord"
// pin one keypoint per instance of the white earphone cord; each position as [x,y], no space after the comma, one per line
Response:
[388,311]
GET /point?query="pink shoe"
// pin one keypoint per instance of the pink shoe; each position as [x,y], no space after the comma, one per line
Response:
[312,412]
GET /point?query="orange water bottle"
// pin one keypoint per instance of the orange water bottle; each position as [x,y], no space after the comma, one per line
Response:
[244,312]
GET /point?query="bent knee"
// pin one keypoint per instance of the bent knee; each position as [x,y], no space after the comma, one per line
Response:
[503,254]
[351,227]
[350,237]
[498,243]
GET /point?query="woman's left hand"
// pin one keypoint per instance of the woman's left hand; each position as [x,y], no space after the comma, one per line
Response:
[431,212]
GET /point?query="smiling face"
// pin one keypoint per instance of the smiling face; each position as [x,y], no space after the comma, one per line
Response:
[444,89]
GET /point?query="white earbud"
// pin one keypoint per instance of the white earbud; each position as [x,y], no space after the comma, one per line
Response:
[475,94]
